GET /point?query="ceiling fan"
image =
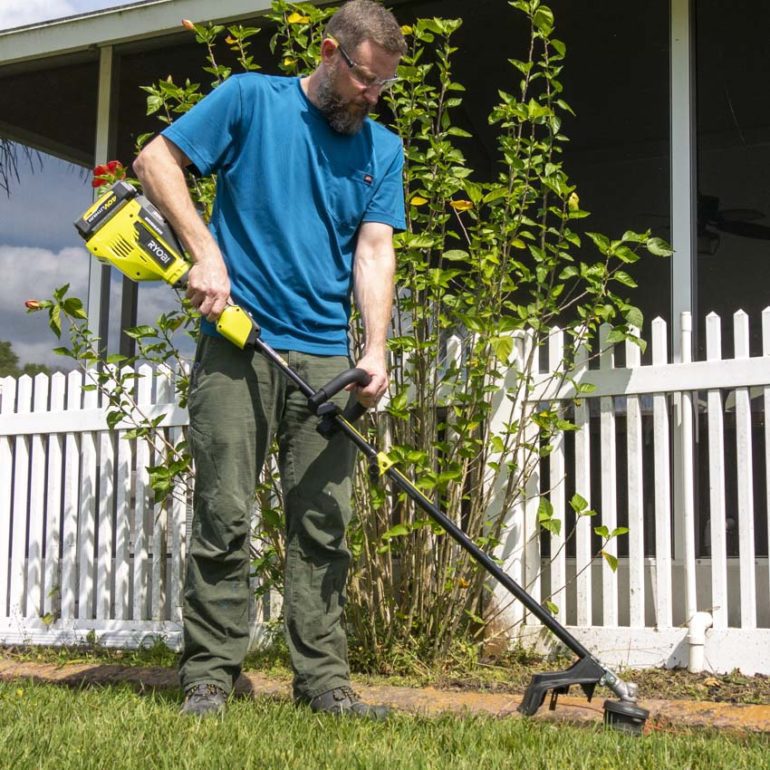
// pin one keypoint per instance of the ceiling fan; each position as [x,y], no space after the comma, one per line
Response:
[712,221]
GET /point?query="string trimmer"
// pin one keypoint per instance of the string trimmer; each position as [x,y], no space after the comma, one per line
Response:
[125,230]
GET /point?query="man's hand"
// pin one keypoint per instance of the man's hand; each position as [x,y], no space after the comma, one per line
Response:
[374,365]
[208,287]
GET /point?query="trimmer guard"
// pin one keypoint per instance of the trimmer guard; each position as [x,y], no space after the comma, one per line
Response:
[586,672]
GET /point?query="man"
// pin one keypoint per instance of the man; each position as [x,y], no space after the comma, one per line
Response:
[309,192]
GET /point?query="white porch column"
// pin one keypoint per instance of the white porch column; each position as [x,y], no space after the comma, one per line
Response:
[683,231]
[99,275]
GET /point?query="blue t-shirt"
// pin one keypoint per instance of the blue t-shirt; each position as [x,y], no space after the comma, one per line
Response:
[291,195]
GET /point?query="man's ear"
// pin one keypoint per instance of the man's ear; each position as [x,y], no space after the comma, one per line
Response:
[328,48]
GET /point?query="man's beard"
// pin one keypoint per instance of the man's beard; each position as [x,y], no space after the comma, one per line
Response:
[345,117]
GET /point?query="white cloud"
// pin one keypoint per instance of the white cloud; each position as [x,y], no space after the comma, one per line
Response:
[18,13]
[34,273]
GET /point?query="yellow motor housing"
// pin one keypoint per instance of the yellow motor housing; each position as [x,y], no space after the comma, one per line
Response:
[123,229]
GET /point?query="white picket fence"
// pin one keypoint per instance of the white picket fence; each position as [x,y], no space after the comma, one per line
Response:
[85,550]
[671,417]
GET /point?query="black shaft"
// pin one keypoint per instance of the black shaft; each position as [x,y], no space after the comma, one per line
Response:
[457,534]
[462,539]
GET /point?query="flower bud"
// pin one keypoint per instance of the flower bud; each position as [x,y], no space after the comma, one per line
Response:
[187,24]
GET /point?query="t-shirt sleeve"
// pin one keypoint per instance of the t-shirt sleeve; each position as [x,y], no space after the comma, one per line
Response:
[387,204]
[207,133]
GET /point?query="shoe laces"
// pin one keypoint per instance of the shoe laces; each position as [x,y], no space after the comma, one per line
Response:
[202,691]
[348,692]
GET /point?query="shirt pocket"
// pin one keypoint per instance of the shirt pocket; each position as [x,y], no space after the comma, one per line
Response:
[350,191]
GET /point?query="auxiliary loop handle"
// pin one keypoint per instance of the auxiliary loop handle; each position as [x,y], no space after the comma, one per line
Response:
[342,380]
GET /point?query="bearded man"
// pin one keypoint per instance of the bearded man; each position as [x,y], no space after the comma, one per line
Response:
[309,193]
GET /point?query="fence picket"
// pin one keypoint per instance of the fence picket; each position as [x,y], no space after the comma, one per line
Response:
[123,509]
[716,443]
[515,556]
[582,471]
[684,522]
[87,513]
[69,571]
[142,509]
[530,552]
[164,394]
[661,438]
[105,523]
[634,450]
[20,510]
[7,406]
[54,504]
[609,503]
[177,524]
[558,494]
[745,477]
[37,503]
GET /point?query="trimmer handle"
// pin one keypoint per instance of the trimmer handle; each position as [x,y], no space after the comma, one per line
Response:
[342,380]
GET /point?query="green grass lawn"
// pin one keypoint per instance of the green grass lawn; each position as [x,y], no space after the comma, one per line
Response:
[52,726]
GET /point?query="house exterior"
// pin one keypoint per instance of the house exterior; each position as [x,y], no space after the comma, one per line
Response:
[671,133]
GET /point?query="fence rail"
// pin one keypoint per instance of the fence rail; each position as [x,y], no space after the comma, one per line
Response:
[679,453]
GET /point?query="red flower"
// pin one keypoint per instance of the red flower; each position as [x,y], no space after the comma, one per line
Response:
[107,173]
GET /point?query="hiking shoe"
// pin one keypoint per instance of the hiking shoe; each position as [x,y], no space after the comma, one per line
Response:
[344,702]
[204,700]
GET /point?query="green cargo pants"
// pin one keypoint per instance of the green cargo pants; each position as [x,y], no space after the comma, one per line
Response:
[238,402]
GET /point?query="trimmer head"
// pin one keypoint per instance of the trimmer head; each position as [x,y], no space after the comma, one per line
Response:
[625,717]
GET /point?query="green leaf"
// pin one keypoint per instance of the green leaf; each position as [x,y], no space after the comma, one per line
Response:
[552,525]
[602,242]
[503,346]
[635,317]
[74,307]
[611,560]
[551,607]
[578,503]
[455,255]
[399,530]
[658,247]
[137,332]
[623,277]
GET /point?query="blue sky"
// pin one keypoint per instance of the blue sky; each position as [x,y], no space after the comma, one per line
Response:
[39,248]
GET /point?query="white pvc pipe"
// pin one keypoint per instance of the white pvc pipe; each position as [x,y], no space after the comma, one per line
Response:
[696,638]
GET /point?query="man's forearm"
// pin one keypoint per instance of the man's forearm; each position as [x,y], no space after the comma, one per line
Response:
[373,281]
[160,169]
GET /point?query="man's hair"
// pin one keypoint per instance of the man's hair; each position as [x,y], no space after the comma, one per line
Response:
[360,20]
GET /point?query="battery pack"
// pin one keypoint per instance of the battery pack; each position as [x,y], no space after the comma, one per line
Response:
[123,229]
